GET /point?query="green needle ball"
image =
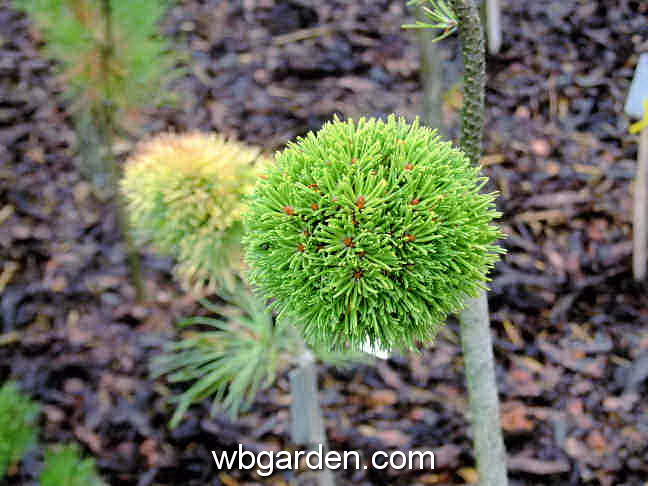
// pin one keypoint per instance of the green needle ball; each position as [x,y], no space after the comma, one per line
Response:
[370,232]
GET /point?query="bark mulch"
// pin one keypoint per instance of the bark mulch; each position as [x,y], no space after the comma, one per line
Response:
[570,325]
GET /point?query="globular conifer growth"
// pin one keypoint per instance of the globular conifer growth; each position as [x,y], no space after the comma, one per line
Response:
[184,193]
[370,231]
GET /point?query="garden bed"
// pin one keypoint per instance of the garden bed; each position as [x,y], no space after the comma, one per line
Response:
[568,319]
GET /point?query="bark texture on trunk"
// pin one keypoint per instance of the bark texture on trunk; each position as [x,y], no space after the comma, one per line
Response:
[477,346]
[474,62]
[476,338]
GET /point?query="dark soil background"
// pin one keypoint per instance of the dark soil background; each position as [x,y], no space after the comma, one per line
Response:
[571,327]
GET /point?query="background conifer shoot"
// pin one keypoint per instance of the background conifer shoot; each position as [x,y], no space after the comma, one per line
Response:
[64,465]
[17,425]
[372,231]
[185,194]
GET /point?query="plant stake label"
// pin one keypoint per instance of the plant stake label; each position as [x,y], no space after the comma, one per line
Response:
[634,106]
[637,107]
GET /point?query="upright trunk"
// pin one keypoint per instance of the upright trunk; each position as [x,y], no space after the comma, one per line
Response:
[307,423]
[479,363]
[474,61]
[432,80]
[475,324]
[106,122]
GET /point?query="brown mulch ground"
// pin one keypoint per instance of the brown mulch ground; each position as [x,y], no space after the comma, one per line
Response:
[570,324]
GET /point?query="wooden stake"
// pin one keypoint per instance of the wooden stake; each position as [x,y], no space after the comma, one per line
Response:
[494,25]
[640,219]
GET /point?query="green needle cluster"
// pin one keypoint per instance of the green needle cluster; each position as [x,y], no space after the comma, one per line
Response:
[64,465]
[228,359]
[370,231]
[18,431]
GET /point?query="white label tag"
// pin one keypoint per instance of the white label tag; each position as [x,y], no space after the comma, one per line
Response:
[638,89]
[375,351]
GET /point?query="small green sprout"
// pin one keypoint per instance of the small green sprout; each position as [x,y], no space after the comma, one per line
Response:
[17,425]
[64,466]
[370,232]
[440,16]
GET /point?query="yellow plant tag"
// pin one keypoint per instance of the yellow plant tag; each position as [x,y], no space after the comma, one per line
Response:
[637,127]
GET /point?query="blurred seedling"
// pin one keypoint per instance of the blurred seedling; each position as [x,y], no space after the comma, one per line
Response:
[113,63]
[18,430]
[239,351]
[65,466]
[185,193]
[228,358]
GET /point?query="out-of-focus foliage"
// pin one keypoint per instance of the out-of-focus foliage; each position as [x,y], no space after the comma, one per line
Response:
[64,466]
[185,194]
[17,425]
[231,359]
[139,60]
[439,15]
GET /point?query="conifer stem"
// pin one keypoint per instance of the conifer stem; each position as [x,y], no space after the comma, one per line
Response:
[474,61]
[479,363]
[432,80]
[307,423]
[476,337]
[107,127]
